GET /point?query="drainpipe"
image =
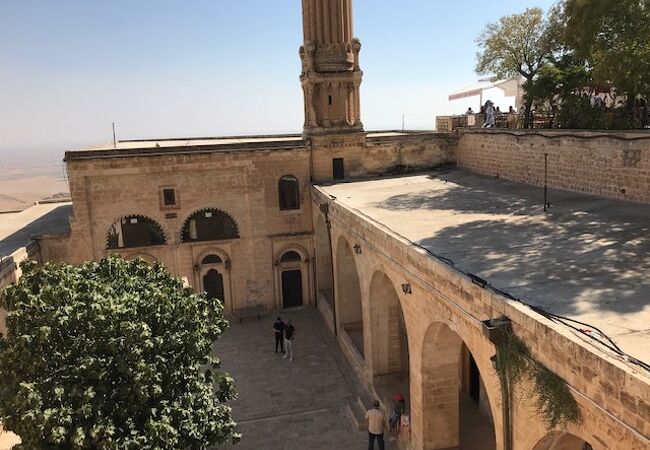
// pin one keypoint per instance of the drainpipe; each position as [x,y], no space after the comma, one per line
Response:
[324,207]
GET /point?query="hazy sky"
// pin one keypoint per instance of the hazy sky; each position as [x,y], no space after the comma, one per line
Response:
[163,68]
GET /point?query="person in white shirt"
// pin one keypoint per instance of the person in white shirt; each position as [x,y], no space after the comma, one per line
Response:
[376,426]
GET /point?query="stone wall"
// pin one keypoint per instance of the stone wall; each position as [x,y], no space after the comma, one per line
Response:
[613,396]
[380,154]
[613,164]
[243,184]
[239,179]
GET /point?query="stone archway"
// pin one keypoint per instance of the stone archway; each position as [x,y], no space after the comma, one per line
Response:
[449,419]
[390,354]
[212,276]
[348,296]
[324,283]
[557,440]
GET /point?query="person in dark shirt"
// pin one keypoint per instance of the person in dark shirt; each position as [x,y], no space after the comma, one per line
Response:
[278,328]
[289,334]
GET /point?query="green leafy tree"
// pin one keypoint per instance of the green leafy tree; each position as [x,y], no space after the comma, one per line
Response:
[518,45]
[612,36]
[112,355]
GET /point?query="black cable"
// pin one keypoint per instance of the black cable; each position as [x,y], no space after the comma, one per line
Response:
[551,316]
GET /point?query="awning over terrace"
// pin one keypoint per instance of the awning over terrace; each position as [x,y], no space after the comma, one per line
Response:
[510,88]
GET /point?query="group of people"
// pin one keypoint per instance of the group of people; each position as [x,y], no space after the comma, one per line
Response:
[376,420]
[489,111]
[285,333]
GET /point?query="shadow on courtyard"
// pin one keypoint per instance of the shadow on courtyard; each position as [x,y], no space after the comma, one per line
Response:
[586,254]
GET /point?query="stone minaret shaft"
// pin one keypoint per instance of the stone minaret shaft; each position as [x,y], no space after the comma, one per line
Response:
[330,68]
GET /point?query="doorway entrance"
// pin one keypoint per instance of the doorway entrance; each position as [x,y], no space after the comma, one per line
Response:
[213,285]
[291,288]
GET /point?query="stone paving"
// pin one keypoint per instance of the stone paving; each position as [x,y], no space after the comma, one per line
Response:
[298,405]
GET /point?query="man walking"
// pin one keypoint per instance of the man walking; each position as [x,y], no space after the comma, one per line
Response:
[289,334]
[376,425]
[278,327]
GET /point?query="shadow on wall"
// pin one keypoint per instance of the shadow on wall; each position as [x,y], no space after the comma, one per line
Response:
[586,254]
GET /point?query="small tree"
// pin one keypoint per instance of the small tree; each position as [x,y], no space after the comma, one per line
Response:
[112,355]
[517,45]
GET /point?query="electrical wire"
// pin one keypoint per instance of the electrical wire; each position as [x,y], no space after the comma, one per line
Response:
[611,345]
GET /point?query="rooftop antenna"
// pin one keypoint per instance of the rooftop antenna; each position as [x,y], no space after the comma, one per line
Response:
[114,141]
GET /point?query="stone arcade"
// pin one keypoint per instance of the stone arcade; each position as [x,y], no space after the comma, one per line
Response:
[397,264]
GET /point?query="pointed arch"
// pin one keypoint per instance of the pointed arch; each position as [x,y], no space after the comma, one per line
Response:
[133,231]
[209,224]
[443,404]
[349,309]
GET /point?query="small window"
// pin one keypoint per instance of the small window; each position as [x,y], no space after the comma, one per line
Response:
[169,197]
[289,193]
[330,100]
[290,256]
[338,170]
[211,259]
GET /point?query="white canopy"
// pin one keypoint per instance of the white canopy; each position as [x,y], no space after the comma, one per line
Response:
[510,88]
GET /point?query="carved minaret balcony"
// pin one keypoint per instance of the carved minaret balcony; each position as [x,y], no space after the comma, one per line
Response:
[330,68]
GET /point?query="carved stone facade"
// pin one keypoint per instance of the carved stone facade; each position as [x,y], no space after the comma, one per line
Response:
[331,75]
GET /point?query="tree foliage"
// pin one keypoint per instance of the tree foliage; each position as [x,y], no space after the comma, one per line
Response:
[112,355]
[612,36]
[517,46]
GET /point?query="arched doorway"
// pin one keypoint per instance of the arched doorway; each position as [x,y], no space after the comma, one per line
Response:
[213,284]
[291,274]
[556,440]
[390,354]
[213,270]
[450,418]
[348,295]
[324,284]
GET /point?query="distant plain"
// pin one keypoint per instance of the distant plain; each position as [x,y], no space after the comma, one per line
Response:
[29,176]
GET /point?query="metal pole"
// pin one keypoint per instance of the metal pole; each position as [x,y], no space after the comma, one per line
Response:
[114,140]
[545,181]
[402,123]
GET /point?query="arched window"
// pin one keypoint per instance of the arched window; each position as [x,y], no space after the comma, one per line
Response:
[209,225]
[211,259]
[290,256]
[289,193]
[134,231]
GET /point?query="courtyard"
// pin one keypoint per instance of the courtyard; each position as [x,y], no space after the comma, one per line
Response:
[282,404]
[304,403]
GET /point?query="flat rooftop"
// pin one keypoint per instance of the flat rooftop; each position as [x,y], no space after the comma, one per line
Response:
[145,147]
[587,259]
[17,229]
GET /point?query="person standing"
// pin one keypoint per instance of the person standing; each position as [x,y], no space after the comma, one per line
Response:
[376,425]
[396,414]
[278,328]
[289,335]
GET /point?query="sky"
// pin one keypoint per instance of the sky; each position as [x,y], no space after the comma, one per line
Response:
[163,68]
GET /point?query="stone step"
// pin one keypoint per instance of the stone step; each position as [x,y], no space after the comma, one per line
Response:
[356,412]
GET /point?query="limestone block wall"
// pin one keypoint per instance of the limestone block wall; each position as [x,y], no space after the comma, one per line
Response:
[54,248]
[613,396]
[613,164]
[382,154]
[244,184]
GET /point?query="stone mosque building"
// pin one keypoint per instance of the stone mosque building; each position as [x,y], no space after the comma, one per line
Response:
[415,246]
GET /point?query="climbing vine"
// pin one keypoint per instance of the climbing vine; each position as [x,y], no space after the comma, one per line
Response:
[554,403]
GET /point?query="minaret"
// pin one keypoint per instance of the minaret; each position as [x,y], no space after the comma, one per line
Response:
[330,68]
